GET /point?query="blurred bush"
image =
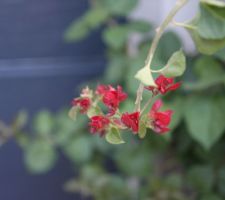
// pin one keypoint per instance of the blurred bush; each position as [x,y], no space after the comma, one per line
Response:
[188,163]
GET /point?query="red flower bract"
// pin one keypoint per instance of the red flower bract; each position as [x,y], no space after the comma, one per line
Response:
[164,85]
[131,121]
[160,120]
[99,124]
[83,103]
[111,97]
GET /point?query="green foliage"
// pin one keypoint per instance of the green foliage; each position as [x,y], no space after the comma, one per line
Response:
[144,75]
[202,178]
[205,119]
[114,136]
[208,28]
[40,156]
[186,164]
[122,7]
[175,66]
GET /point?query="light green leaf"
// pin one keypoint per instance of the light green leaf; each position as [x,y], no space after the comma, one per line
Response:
[43,123]
[215,7]
[176,65]
[95,17]
[114,137]
[210,26]
[216,3]
[145,76]
[116,36]
[205,119]
[122,7]
[93,111]
[79,149]
[73,112]
[40,156]
[78,30]
[206,46]
[142,126]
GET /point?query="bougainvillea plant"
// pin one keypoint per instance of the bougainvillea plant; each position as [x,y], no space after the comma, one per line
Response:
[109,124]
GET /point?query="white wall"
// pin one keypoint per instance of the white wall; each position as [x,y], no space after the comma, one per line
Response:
[156,10]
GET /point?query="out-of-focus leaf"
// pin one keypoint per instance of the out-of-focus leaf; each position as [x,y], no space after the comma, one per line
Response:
[211,197]
[201,178]
[221,182]
[205,119]
[210,26]
[116,36]
[73,112]
[115,70]
[139,26]
[142,126]
[43,123]
[122,7]
[80,28]
[209,72]
[79,149]
[40,156]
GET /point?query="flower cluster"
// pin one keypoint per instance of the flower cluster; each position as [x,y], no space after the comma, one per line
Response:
[103,123]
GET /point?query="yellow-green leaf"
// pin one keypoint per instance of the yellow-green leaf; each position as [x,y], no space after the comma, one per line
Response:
[145,76]
[176,65]
[114,136]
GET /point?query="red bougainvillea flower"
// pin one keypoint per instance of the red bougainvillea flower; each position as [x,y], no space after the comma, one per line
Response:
[111,97]
[160,120]
[131,121]
[83,103]
[99,124]
[101,89]
[164,85]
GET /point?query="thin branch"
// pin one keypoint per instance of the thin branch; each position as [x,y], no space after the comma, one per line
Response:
[159,31]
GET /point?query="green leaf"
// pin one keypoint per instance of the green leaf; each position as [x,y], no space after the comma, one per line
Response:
[215,7]
[40,156]
[139,26]
[95,17]
[114,137]
[201,178]
[73,112]
[44,123]
[144,75]
[205,119]
[93,111]
[209,72]
[208,68]
[116,36]
[176,65]
[78,30]
[79,149]
[206,46]
[210,26]
[122,7]
[142,126]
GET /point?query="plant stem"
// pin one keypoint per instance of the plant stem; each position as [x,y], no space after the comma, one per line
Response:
[147,104]
[159,31]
